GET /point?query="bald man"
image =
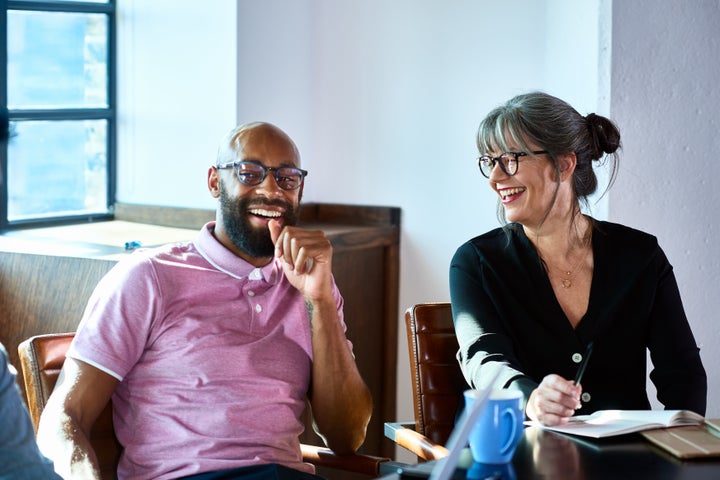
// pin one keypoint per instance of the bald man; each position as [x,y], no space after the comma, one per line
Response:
[210,349]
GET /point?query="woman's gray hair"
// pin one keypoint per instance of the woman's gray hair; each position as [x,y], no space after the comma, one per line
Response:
[552,125]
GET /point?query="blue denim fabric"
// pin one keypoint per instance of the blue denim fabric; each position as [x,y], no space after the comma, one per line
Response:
[20,458]
[256,472]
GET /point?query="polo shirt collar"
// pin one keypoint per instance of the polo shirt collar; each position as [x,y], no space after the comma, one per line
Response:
[225,260]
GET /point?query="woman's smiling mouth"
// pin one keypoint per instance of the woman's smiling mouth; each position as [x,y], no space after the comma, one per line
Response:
[510,194]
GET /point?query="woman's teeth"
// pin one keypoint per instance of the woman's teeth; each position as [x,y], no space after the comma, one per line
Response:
[511,191]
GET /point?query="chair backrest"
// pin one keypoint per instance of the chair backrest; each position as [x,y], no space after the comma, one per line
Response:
[41,359]
[437,381]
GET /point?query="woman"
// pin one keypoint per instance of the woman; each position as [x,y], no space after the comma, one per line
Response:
[528,298]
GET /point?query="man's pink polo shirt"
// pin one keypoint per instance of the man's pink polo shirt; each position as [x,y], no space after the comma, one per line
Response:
[213,357]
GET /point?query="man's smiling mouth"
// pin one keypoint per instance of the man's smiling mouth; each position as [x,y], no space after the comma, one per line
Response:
[261,212]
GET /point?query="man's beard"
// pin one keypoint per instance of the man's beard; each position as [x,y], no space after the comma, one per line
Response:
[255,241]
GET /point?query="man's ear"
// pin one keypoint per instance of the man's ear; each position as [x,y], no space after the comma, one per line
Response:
[567,163]
[213,180]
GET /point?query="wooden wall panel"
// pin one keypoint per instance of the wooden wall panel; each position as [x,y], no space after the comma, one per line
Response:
[43,294]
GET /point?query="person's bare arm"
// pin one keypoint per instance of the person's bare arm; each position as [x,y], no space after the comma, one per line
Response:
[80,395]
[340,399]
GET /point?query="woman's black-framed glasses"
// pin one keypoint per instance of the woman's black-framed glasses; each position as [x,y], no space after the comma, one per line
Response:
[508,162]
[252,173]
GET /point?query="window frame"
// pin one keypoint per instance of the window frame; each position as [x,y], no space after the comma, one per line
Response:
[57,114]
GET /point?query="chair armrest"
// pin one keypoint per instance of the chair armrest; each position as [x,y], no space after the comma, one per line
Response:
[356,462]
[404,434]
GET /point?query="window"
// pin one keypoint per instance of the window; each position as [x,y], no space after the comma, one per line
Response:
[58,78]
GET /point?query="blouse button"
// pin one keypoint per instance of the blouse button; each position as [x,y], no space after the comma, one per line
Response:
[251,293]
[577,357]
[258,308]
[585,397]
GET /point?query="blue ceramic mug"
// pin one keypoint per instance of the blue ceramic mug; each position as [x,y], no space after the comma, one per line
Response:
[497,431]
[485,471]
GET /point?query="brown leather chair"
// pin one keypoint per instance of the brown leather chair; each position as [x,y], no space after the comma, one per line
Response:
[42,357]
[437,381]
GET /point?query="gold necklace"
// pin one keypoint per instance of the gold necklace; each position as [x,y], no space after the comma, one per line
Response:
[567,281]
[570,274]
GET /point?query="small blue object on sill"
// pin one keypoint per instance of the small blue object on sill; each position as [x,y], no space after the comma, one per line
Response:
[130,246]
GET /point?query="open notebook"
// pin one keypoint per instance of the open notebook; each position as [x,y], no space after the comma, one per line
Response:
[608,423]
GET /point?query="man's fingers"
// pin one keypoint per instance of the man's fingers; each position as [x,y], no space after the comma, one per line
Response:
[275,228]
[283,249]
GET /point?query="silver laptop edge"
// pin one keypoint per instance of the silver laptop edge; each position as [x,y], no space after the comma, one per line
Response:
[445,467]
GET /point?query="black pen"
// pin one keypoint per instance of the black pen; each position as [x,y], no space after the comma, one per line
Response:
[583,364]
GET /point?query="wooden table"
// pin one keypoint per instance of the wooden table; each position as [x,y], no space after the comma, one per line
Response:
[553,456]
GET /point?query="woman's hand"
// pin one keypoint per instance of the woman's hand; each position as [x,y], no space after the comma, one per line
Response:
[554,401]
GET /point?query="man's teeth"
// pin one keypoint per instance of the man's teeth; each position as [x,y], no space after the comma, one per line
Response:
[265,213]
[512,191]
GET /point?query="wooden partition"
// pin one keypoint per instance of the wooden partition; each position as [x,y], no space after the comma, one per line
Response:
[47,275]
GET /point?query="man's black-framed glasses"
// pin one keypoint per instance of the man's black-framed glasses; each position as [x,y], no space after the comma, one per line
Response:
[252,173]
[508,162]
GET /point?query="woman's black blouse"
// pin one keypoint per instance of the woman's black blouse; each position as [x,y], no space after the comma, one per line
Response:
[508,319]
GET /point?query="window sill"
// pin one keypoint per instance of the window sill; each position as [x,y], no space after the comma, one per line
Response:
[103,240]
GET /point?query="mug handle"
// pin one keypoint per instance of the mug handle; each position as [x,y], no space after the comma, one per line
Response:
[511,437]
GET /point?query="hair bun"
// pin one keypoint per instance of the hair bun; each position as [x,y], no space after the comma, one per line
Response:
[605,135]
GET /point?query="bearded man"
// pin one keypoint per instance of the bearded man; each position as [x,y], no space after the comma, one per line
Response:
[209,349]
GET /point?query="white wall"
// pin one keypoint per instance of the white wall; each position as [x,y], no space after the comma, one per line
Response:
[665,100]
[176,97]
[383,99]
[393,93]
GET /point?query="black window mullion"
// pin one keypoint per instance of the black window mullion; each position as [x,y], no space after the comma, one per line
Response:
[3,107]
[59,6]
[64,114]
[71,114]
[112,109]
